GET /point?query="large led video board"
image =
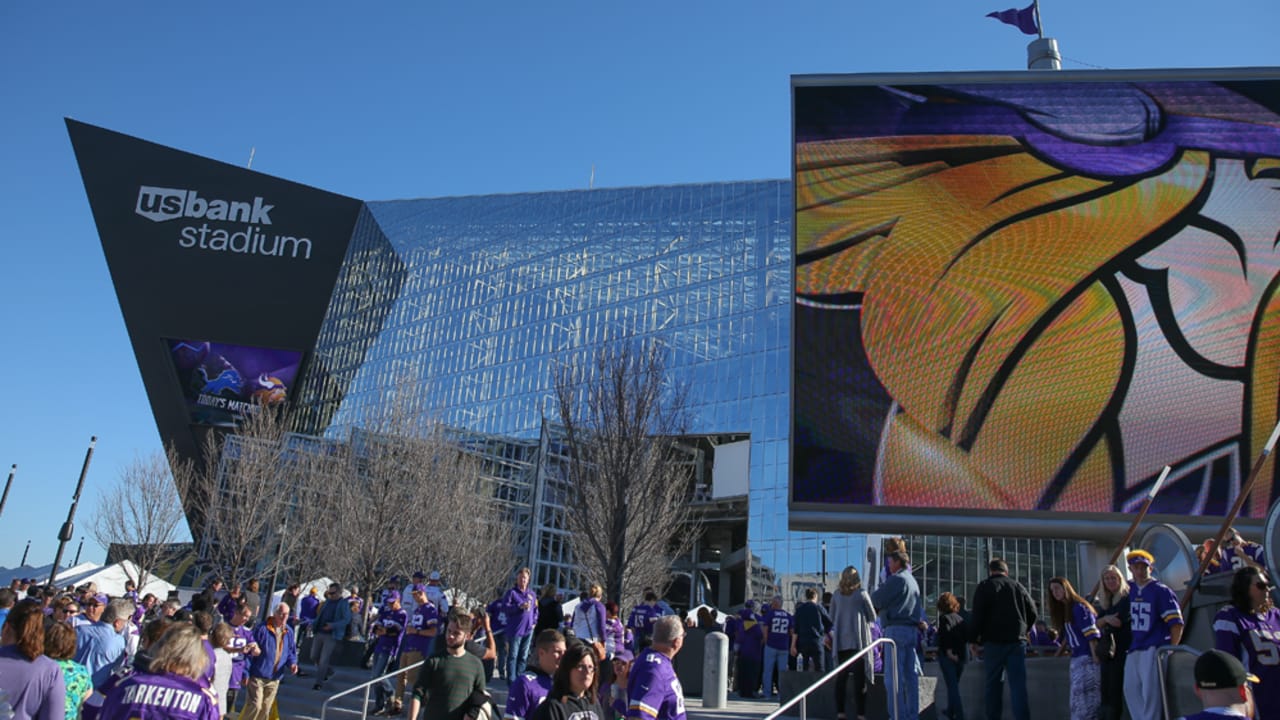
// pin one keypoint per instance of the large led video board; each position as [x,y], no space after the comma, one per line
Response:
[1020,295]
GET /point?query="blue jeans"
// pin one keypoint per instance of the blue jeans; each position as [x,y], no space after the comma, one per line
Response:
[519,656]
[906,638]
[500,640]
[384,688]
[999,659]
[951,672]
[774,659]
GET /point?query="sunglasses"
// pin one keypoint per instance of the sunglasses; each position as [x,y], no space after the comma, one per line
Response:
[1263,585]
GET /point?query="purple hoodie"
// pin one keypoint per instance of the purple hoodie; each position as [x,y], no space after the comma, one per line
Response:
[520,621]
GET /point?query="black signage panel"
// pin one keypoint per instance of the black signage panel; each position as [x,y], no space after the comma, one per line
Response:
[203,249]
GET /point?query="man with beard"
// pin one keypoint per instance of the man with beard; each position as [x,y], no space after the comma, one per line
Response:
[451,679]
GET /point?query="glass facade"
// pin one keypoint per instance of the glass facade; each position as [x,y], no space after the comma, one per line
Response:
[476,300]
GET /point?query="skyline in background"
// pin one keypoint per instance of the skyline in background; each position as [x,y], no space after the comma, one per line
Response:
[406,101]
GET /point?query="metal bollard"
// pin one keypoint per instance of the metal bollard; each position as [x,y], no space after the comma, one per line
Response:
[715,671]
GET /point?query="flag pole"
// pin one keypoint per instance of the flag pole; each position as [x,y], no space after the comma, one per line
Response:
[1230,517]
[1133,527]
[1039,23]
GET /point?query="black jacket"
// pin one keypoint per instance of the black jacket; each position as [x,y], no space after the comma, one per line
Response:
[1003,611]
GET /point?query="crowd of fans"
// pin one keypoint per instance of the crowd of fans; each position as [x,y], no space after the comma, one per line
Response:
[77,653]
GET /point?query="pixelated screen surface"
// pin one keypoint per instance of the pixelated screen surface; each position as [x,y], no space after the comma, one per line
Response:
[225,383]
[1014,294]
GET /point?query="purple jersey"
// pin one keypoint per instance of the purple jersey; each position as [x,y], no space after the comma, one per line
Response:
[240,638]
[615,636]
[641,620]
[424,617]
[1082,629]
[1255,639]
[227,606]
[751,639]
[778,625]
[392,623]
[1153,609]
[520,620]
[1233,557]
[497,617]
[308,607]
[653,690]
[159,697]
[526,694]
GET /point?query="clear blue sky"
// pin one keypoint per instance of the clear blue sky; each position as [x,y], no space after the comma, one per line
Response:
[421,99]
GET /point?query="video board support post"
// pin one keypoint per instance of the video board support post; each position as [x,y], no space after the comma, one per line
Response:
[1254,473]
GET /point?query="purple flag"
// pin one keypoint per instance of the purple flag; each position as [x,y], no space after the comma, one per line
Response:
[1024,19]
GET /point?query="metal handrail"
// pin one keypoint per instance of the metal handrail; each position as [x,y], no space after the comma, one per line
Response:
[892,691]
[364,709]
[1162,669]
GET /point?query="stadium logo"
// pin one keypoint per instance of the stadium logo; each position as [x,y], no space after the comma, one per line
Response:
[159,204]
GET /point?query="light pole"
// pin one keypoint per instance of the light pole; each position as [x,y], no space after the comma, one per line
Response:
[824,565]
[69,527]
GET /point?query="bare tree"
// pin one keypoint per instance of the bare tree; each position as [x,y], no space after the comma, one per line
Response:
[244,495]
[467,535]
[142,513]
[628,493]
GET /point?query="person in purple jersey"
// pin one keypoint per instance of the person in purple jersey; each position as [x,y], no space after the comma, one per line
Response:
[1249,629]
[642,618]
[308,608]
[1238,553]
[419,636]
[653,690]
[1224,687]
[1155,620]
[616,636]
[498,624]
[750,651]
[169,690]
[521,606]
[778,624]
[240,644]
[530,688]
[227,605]
[388,631]
[1076,621]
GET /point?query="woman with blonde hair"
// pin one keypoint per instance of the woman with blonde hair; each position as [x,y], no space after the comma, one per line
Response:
[1113,622]
[170,688]
[852,615]
[1075,620]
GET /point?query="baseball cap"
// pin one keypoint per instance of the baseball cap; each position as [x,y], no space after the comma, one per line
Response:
[1217,670]
[98,599]
[749,605]
[393,596]
[624,655]
[1140,556]
[435,575]
[419,575]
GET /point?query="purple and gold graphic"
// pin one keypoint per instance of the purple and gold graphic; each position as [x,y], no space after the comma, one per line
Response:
[1034,295]
[224,383]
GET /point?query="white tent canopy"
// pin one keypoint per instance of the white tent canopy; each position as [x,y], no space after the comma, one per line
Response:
[110,579]
[41,574]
